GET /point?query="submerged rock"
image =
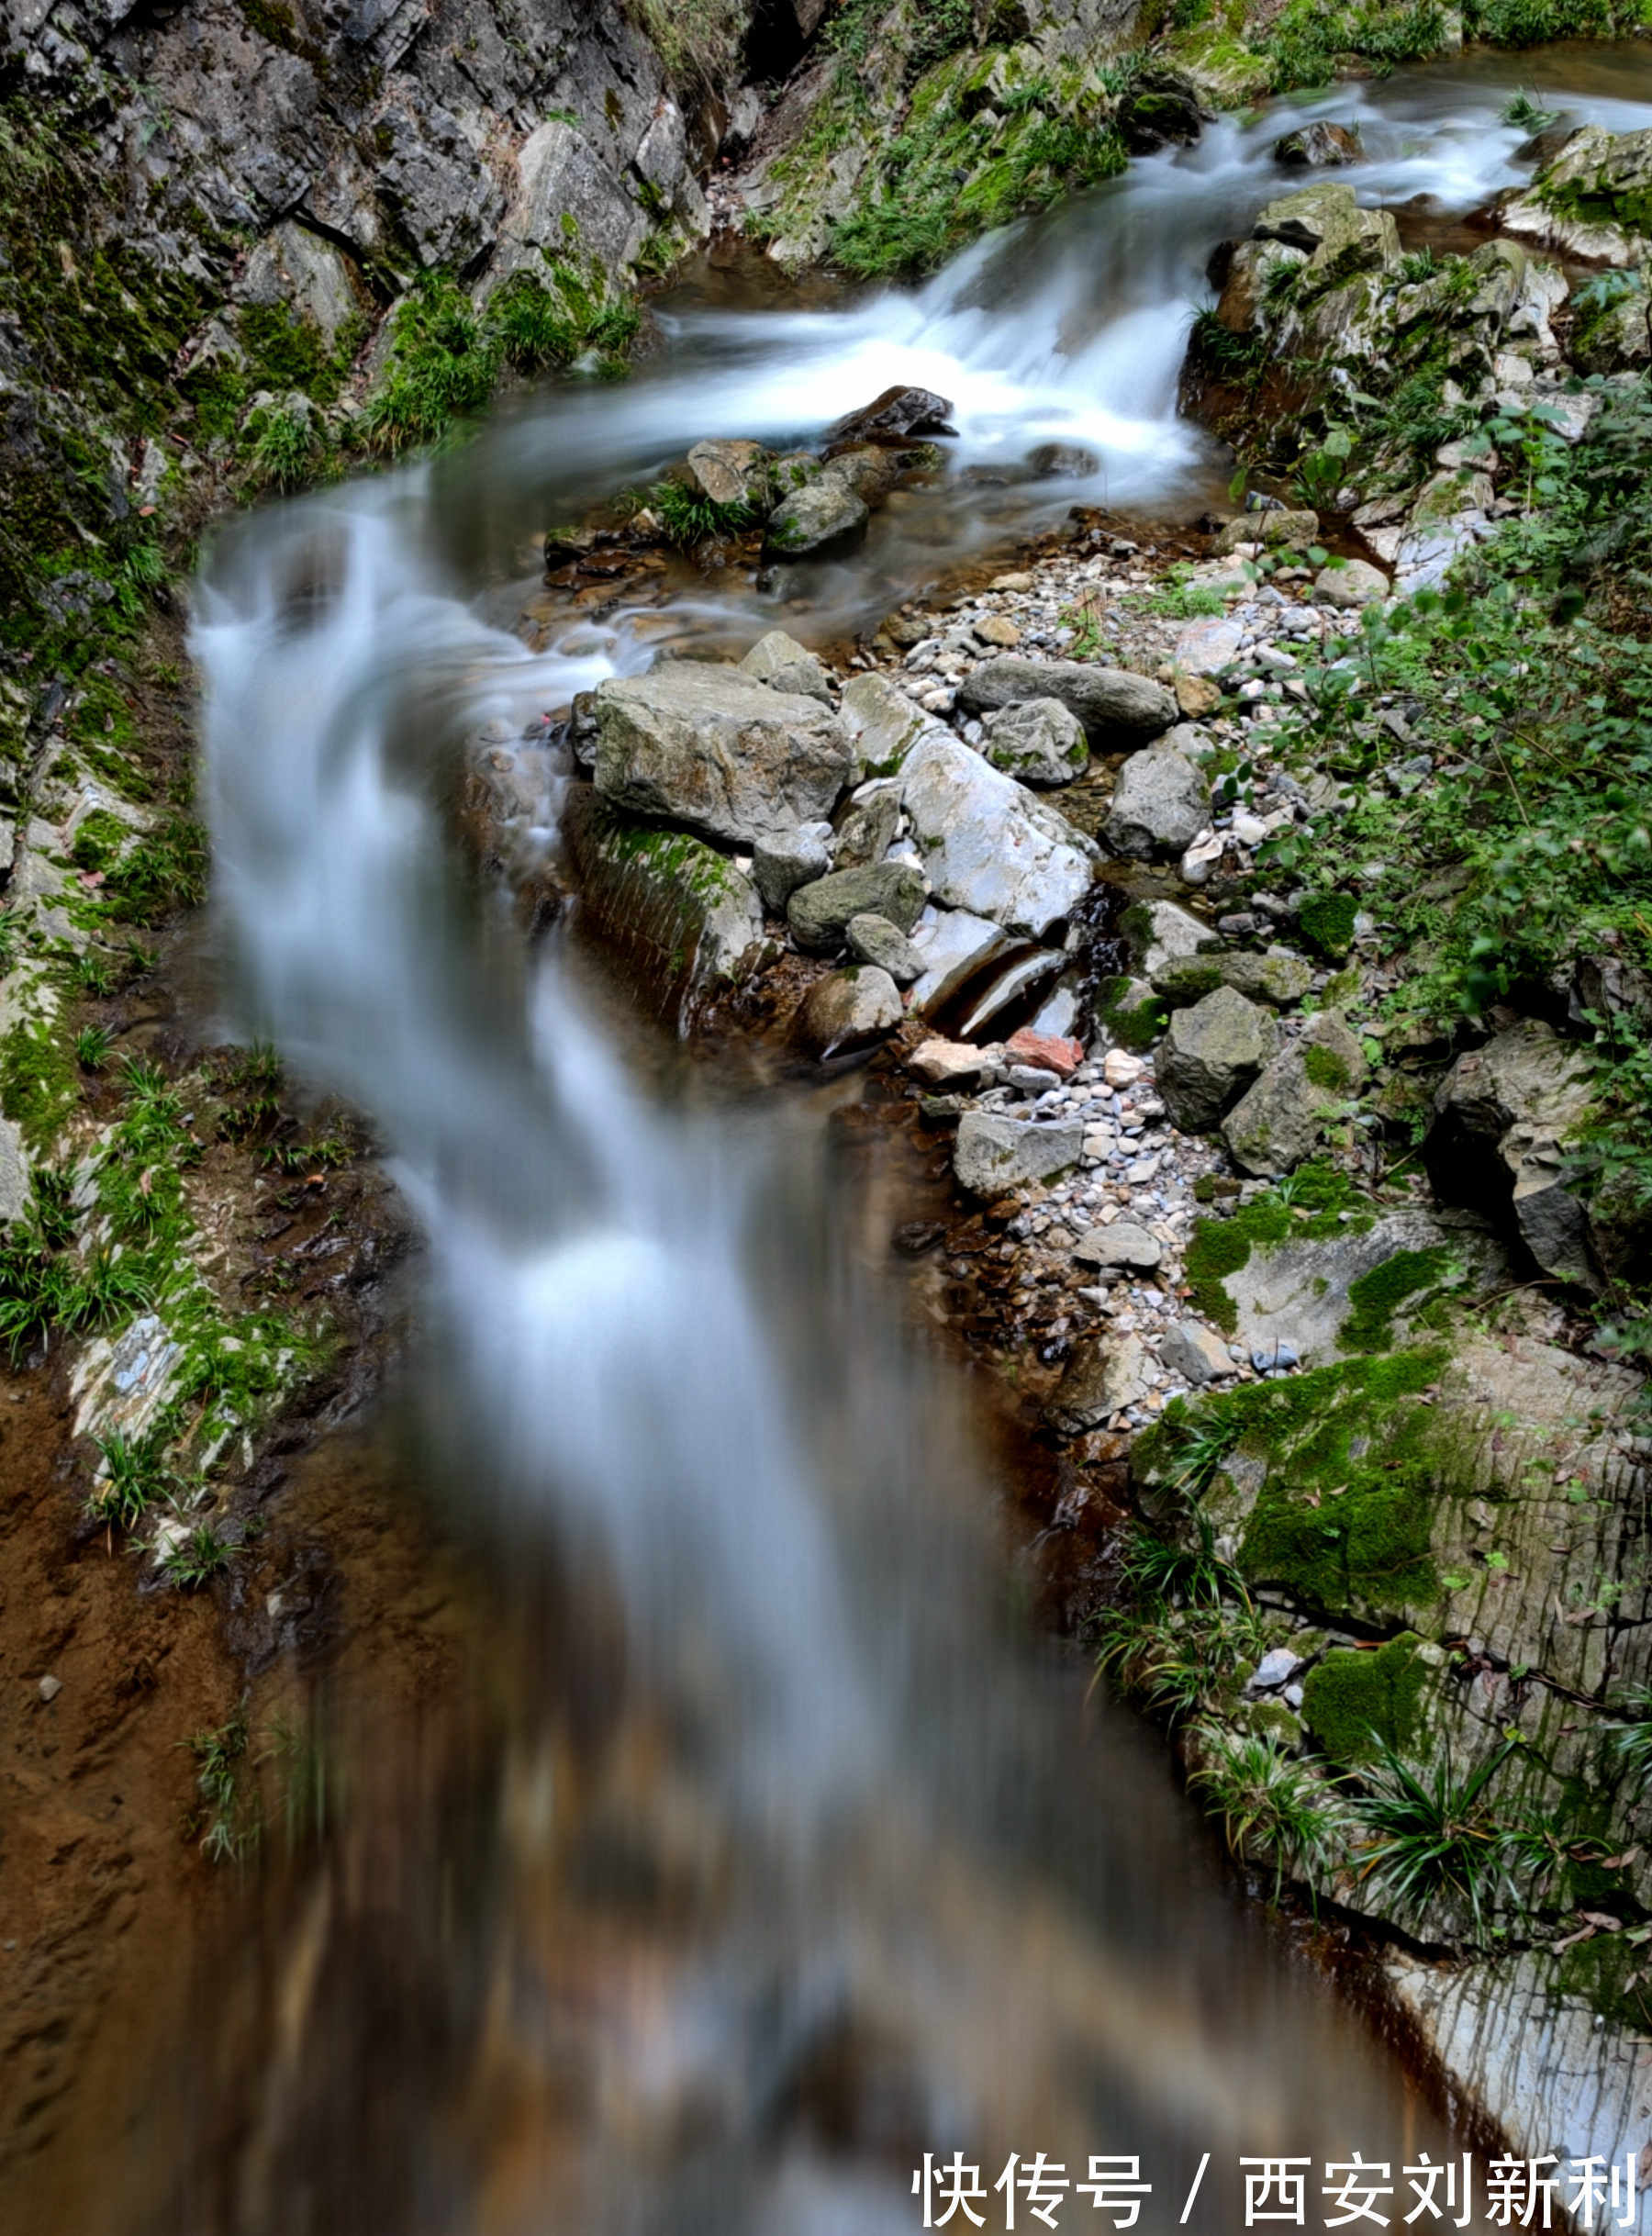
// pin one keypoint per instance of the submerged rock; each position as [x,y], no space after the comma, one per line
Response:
[896,416]
[717,751]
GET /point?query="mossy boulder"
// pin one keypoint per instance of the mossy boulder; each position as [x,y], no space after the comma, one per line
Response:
[1210,1055]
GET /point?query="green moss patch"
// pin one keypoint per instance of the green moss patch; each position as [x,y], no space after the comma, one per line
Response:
[1352,1701]
[39,1086]
[1378,1295]
[1328,921]
[1316,1203]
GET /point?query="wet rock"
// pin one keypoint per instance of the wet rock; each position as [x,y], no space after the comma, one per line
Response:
[729,471]
[1195,1354]
[1159,805]
[883,723]
[1355,583]
[1342,238]
[848,1009]
[987,845]
[820,914]
[1319,146]
[1506,1122]
[1592,200]
[1111,702]
[956,948]
[1278,1120]
[1104,1375]
[826,516]
[1159,931]
[1122,1243]
[995,1154]
[875,939]
[895,417]
[1160,109]
[791,858]
[1040,741]
[1061,461]
[786,665]
[714,750]
[1210,1054]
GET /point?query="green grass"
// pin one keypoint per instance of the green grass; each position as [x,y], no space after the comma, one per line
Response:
[1433,1838]
[690,519]
[197,1559]
[1268,1802]
[134,1477]
[284,444]
[92,1046]
[219,1758]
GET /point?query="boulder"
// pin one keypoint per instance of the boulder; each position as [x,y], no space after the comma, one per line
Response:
[785,666]
[1111,702]
[1208,647]
[1122,1243]
[1210,1054]
[847,1009]
[1038,741]
[1158,931]
[1506,1123]
[1279,977]
[820,914]
[788,859]
[1353,584]
[947,1063]
[1276,1123]
[988,847]
[896,416]
[866,824]
[717,751]
[1104,1375]
[825,516]
[995,1154]
[1160,108]
[1050,1051]
[731,471]
[873,469]
[1593,199]
[1061,461]
[1195,1354]
[883,723]
[1279,527]
[875,939]
[1160,804]
[1319,146]
[956,947]
[1342,239]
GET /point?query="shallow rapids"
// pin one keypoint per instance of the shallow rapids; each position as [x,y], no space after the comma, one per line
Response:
[800,1857]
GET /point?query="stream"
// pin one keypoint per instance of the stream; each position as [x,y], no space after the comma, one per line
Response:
[804,1856]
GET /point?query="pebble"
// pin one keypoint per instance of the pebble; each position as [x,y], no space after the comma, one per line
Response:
[48,1689]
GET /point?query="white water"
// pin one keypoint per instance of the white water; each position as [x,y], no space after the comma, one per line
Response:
[641,1351]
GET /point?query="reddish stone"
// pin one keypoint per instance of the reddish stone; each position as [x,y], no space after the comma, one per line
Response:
[1061,1057]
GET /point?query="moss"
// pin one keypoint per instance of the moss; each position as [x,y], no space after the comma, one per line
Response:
[38,1083]
[1327,920]
[1607,1974]
[1378,1295]
[1217,1248]
[98,839]
[1326,1070]
[1351,1700]
[1132,1017]
[1319,1203]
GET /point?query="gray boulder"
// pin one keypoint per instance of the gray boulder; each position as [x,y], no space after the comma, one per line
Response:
[1195,1354]
[731,471]
[786,665]
[820,914]
[717,751]
[883,723]
[788,859]
[1040,741]
[1276,1123]
[1158,931]
[1160,804]
[1505,1133]
[825,516]
[873,939]
[1123,1244]
[1210,1055]
[988,847]
[995,1154]
[1111,702]
[847,1009]
[867,823]
[1278,977]
[1355,583]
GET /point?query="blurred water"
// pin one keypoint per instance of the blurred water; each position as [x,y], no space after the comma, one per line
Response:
[850,1869]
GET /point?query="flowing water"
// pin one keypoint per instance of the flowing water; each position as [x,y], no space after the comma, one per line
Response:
[802,1857]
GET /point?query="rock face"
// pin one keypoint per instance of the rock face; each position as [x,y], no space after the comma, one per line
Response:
[785,666]
[716,751]
[1505,1121]
[988,847]
[1111,702]
[820,914]
[1593,199]
[1212,1053]
[1039,741]
[897,416]
[995,1154]
[848,1009]
[1160,805]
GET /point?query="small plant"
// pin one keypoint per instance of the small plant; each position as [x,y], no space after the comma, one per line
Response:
[1435,1838]
[1320,473]
[94,975]
[92,1046]
[219,1756]
[1419,266]
[134,1477]
[1632,1745]
[1526,114]
[197,1558]
[1228,355]
[689,519]
[1269,1805]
